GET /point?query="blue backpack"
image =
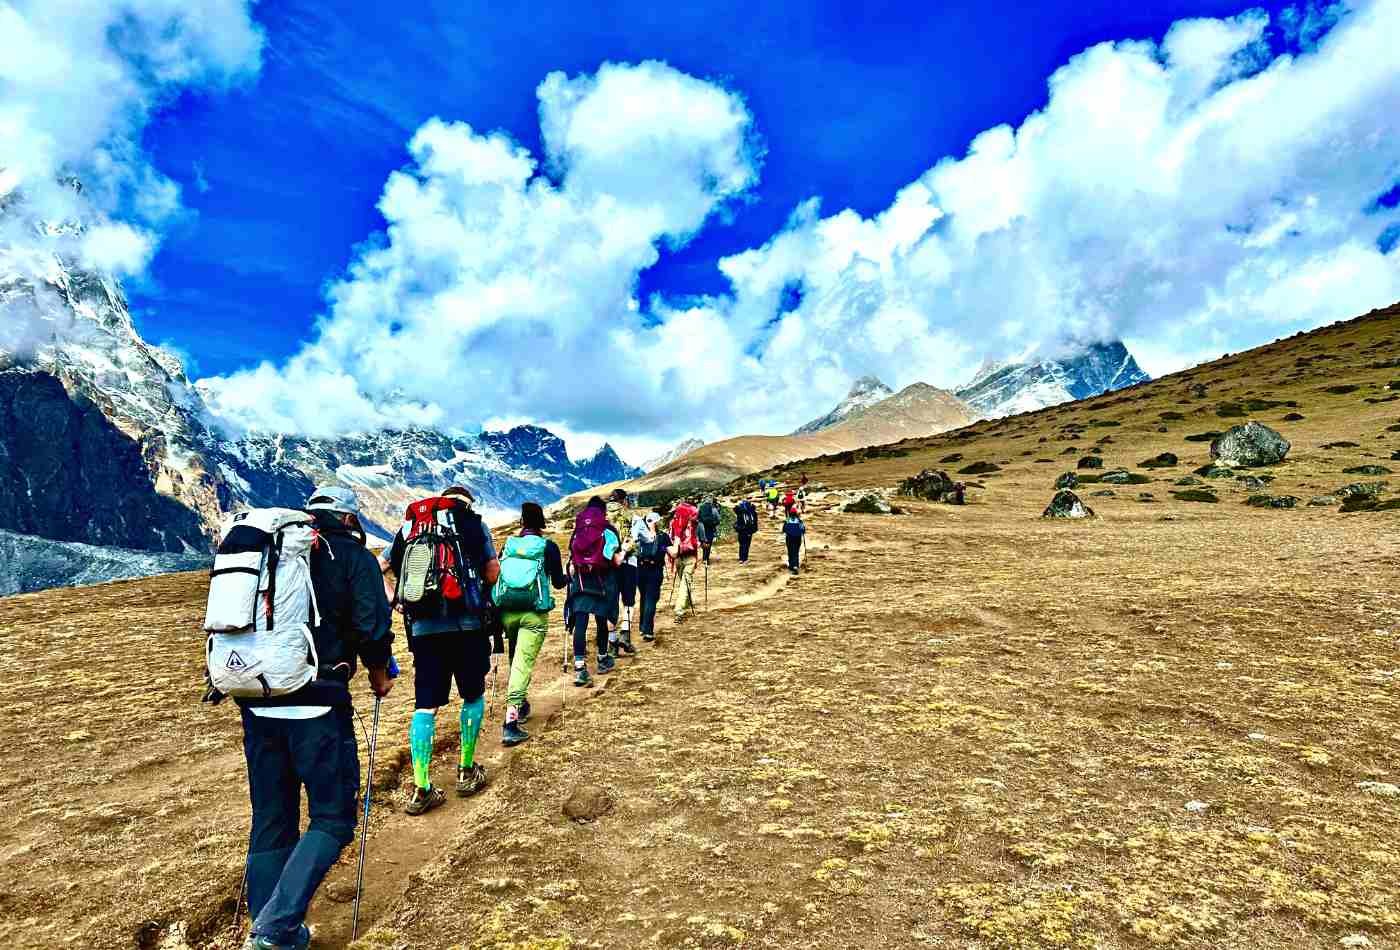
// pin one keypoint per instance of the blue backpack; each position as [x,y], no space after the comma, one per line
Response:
[523,584]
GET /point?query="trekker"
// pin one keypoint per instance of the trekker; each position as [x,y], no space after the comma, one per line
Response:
[709,521]
[652,545]
[745,527]
[595,553]
[530,565]
[789,502]
[684,552]
[444,561]
[625,523]
[772,495]
[793,531]
[306,738]
[801,497]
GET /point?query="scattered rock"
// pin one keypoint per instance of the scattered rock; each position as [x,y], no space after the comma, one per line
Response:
[1165,460]
[1342,389]
[1395,456]
[950,459]
[1211,470]
[1272,501]
[1355,941]
[1367,470]
[933,486]
[1250,481]
[588,803]
[1195,494]
[1121,476]
[1384,789]
[1341,445]
[1066,504]
[1171,416]
[1250,446]
[1105,493]
[1067,480]
[1210,436]
[1360,490]
[1146,496]
[1188,480]
[1093,461]
[980,468]
[1197,807]
[1294,417]
[1323,501]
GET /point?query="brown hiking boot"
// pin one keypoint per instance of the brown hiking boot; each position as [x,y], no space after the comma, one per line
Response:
[470,780]
[424,800]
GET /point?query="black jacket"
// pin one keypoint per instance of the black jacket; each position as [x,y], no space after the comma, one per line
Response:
[355,615]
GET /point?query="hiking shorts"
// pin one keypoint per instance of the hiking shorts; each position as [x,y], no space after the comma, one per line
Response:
[627,584]
[440,658]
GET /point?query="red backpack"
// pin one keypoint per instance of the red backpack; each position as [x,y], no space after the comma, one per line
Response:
[424,524]
[683,528]
[586,545]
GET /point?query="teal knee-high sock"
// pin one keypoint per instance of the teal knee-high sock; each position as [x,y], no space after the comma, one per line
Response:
[420,742]
[472,714]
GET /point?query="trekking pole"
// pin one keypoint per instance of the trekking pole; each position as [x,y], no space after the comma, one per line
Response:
[364,825]
[707,583]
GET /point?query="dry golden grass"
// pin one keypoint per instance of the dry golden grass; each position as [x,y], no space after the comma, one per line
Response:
[1174,725]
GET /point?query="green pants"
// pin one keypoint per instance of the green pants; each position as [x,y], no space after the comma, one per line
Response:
[528,628]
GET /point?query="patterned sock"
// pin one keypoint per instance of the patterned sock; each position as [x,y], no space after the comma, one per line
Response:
[512,714]
[472,713]
[421,730]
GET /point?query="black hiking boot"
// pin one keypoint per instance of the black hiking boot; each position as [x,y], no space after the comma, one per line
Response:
[581,677]
[424,800]
[648,637]
[524,709]
[605,664]
[624,645]
[512,734]
[470,780]
[302,941]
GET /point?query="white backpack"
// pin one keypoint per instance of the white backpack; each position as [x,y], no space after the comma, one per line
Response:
[262,606]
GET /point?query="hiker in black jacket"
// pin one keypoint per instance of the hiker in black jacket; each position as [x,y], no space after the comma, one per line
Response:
[745,527]
[306,738]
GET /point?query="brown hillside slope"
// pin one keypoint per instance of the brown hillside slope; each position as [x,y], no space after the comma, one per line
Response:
[960,727]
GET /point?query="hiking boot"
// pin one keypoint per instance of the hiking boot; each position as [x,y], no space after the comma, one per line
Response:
[424,800]
[470,780]
[605,664]
[625,646]
[302,941]
[648,637]
[512,734]
[582,678]
[524,709]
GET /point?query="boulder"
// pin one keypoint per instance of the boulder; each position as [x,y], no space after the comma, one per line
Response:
[1212,470]
[1066,504]
[979,468]
[1188,480]
[1271,501]
[1090,461]
[1249,481]
[1360,490]
[1249,446]
[1294,417]
[1195,494]
[1164,460]
[933,486]
[587,803]
[1067,480]
[950,459]
[868,505]
[1367,470]
[1121,476]
[1323,501]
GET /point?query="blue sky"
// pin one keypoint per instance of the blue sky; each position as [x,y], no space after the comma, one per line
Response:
[851,102]
[648,222]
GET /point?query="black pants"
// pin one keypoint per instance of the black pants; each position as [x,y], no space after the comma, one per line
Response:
[744,541]
[794,552]
[580,621]
[649,581]
[440,658]
[285,865]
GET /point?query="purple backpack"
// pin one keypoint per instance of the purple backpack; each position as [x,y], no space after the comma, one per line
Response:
[586,546]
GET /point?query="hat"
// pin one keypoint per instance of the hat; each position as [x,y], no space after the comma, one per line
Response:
[335,498]
[618,495]
[653,519]
[459,490]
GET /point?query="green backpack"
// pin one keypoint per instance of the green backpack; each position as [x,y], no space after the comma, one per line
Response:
[523,584]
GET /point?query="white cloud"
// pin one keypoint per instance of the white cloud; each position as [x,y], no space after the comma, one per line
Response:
[79,79]
[1192,196]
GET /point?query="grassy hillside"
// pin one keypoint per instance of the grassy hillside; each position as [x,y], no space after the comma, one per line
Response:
[1173,725]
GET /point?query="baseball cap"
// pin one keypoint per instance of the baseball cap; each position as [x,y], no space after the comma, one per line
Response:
[334,498]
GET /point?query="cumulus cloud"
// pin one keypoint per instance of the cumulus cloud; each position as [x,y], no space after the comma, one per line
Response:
[1202,193]
[79,79]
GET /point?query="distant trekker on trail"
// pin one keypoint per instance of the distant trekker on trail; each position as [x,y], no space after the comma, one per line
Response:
[445,563]
[801,497]
[595,553]
[530,565]
[709,521]
[789,502]
[625,523]
[772,496]
[794,530]
[745,527]
[684,552]
[304,737]
[652,545]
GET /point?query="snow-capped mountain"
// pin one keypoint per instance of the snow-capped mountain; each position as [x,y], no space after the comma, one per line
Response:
[105,441]
[1007,388]
[864,393]
[671,454]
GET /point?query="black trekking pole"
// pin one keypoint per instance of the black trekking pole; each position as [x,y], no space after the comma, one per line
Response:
[707,583]
[364,824]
